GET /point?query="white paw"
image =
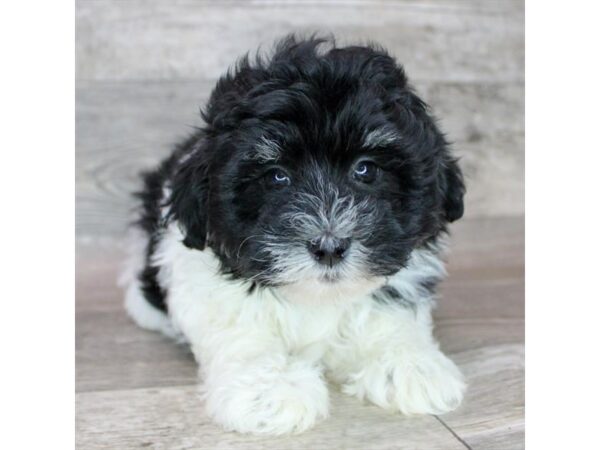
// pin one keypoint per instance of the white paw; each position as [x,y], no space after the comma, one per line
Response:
[268,400]
[420,383]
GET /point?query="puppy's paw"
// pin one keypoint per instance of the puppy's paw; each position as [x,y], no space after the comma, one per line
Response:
[420,383]
[269,400]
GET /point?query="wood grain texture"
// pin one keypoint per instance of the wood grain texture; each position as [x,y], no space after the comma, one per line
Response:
[493,407]
[449,41]
[136,389]
[172,418]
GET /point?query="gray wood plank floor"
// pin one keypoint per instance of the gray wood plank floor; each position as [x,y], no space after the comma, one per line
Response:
[461,40]
[137,389]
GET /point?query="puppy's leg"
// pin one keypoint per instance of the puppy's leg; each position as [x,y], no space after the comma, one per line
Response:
[387,354]
[251,385]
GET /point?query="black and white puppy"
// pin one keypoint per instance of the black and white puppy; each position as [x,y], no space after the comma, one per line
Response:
[296,236]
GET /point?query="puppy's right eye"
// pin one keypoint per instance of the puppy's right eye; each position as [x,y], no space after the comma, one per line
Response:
[365,172]
[277,178]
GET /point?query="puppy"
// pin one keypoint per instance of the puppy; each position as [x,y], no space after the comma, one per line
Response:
[297,236]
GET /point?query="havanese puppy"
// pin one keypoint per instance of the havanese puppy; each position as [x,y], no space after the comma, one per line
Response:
[296,237]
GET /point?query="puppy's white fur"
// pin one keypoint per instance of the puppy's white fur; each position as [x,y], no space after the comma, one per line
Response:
[263,355]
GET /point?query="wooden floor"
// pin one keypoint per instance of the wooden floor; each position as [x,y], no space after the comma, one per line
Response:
[136,389]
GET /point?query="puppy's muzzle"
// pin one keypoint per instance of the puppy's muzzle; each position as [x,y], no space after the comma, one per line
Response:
[328,251]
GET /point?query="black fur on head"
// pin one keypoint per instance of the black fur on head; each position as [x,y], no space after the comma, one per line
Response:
[318,162]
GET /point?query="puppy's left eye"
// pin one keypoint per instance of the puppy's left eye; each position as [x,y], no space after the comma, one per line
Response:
[278,178]
[365,172]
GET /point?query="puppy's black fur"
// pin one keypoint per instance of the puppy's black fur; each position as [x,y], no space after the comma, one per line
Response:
[327,110]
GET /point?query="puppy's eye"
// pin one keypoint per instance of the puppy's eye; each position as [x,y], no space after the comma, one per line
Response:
[365,172]
[278,178]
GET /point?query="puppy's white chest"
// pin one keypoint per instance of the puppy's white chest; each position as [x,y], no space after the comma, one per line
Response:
[307,330]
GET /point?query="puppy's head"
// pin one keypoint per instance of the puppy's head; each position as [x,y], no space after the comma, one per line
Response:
[317,165]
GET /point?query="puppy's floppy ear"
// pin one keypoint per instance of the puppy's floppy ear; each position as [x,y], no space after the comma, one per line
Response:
[452,188]
[450,178]
[189,201]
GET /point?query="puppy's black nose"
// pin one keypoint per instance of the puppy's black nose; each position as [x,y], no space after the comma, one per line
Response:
[329,253]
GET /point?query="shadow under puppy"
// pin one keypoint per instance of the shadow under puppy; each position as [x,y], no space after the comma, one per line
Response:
[296,236]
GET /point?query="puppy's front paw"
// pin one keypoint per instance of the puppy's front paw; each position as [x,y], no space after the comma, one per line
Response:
[269,400]
[420,383]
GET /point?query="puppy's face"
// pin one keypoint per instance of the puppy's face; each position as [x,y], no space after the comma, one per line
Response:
[326,177]
[294,203]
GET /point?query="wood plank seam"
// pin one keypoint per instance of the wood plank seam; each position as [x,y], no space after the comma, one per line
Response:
[462,441]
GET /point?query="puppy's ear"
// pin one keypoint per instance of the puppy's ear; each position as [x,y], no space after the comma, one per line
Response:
[452,188]
[450,178]
[189,202]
